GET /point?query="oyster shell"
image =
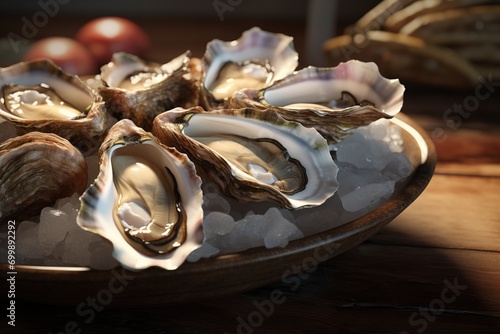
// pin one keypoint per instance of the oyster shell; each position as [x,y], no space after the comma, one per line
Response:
[140,90]
[146,200]
[36,169]
[253,155]
[39,96]
[255,60]
[333,100]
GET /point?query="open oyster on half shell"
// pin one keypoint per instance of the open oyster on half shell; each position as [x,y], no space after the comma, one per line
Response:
[146,200]
[139,90]
[255,60]
[333,100]
[39,96]
[253,155]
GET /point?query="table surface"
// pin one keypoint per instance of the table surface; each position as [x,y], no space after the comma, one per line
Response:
[434,269]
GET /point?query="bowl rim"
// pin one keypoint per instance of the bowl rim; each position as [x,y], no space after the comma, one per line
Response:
[365,226]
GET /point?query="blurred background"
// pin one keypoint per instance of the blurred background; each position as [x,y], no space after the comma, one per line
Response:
[453,45]
[445,44]
[175,26]
[246,9]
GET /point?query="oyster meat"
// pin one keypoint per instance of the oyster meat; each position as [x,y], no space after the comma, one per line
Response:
[36,169]
[253,155]
[333,100]
[36,102]
[146,200]
[39,96]
[255,60]
[138,90]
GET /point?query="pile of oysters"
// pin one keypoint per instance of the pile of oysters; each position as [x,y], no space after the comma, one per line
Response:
[240,118]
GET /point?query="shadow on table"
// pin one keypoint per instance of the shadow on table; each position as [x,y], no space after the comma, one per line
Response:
[372,288]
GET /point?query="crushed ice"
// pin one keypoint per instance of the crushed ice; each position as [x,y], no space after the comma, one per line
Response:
[371,164]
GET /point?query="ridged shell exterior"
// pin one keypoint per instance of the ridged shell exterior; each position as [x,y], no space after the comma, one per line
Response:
[85,132]
[36,169]
[375,97]
[303,144]
[254,44]
[179,88]
[98,202]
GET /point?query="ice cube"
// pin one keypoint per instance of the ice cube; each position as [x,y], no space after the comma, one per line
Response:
[73,200]
[320,218]
[246,233]
[398,166]
[217,223]
[76,247]
[215,202]
[368,195]
[278,231]
[206,250]
[52,229]
[355,154]
[377,130]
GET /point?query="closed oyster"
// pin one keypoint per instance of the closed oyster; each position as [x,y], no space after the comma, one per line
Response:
[253,155]
[138,90]
[255,60]
[36,169]
[146,200]
[39,96]
[333,100]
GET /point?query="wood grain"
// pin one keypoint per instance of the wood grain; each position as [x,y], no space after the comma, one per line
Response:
[457,212]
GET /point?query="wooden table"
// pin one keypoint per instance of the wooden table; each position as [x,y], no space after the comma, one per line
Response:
[434,269]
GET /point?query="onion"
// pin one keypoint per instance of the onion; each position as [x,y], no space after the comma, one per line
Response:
[107,35]
[67,53]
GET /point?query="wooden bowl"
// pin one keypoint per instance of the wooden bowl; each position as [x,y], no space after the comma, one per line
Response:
[228,273]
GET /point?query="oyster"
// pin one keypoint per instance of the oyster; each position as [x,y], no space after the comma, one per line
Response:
[255,60]
[36,169]
[140,90]
[332,100]
[39,96]
[253,155]
[146,200]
